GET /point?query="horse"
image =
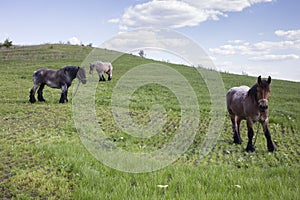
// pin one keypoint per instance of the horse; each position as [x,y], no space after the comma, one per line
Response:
[60,79]
[101,68]
[250,104]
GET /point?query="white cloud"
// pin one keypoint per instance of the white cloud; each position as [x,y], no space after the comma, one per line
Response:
[114,20]
[222,5]
[290,35]
[264,50]
[146,38]
[160,40]
[236,41]
[74,41]
[179,13]
[270,45]
[172,14]
[272,57]
[241,49]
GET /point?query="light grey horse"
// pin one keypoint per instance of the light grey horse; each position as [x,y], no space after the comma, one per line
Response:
[101,68]
[250,104]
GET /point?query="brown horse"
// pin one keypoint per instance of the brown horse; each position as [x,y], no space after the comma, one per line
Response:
[250,104]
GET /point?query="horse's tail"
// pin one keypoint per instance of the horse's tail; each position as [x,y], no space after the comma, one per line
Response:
[37,75]
[109,71]
[91,68]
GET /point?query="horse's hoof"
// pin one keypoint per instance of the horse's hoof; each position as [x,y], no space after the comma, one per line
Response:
[272,148]
[32,100]
[250,148]
[237,141]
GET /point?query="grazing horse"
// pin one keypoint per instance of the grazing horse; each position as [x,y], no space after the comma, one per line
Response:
[250,104]
[101,68]
[61,79]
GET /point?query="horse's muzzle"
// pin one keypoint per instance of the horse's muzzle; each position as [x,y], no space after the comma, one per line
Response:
[263,105]
[263,108]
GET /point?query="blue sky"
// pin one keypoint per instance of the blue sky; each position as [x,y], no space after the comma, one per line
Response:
[257,37]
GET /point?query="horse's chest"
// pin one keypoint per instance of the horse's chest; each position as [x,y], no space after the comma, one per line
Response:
[256,117]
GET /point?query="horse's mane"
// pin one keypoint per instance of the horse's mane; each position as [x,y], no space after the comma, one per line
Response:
[252,92]
[72,70]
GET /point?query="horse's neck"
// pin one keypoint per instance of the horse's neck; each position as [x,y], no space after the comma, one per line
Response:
[71,75]
[252,94]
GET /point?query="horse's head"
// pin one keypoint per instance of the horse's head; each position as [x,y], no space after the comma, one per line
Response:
[92,66]
[263,93]
[81,75]
[109,76]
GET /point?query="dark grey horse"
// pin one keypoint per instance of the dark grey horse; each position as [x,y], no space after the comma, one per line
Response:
[61,79]
[250,104]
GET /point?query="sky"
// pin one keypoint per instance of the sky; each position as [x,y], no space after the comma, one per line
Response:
[254,37]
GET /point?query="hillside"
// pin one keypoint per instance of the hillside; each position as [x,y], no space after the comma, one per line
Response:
[43,156]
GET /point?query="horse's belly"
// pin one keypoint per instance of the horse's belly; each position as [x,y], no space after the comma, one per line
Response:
[52,84]
[235,100]
[238,111]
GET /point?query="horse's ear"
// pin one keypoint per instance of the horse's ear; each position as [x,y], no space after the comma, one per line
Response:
[269,80]
[259,80]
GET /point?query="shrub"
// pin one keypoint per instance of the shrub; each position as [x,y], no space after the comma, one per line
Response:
[7,43]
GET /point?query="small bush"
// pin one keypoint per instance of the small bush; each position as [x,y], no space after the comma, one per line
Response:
[7,43]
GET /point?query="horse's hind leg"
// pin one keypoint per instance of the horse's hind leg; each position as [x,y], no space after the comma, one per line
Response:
[236,129]
[32,93]
[238,122]
[40,93]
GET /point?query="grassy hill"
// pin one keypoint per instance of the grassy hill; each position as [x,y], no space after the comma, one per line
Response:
[42,156]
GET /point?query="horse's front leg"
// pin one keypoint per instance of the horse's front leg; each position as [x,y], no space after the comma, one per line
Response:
[271,146]
[250,146]
[64,93]
[101,77]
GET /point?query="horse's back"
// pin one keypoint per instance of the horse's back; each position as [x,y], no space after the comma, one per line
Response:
[42,71]
[39,74]
[48,76]
[235,98]
[102,66]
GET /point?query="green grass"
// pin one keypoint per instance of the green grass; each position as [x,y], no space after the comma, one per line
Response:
[43,157]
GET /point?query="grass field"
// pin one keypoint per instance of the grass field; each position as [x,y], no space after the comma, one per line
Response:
[43,156]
